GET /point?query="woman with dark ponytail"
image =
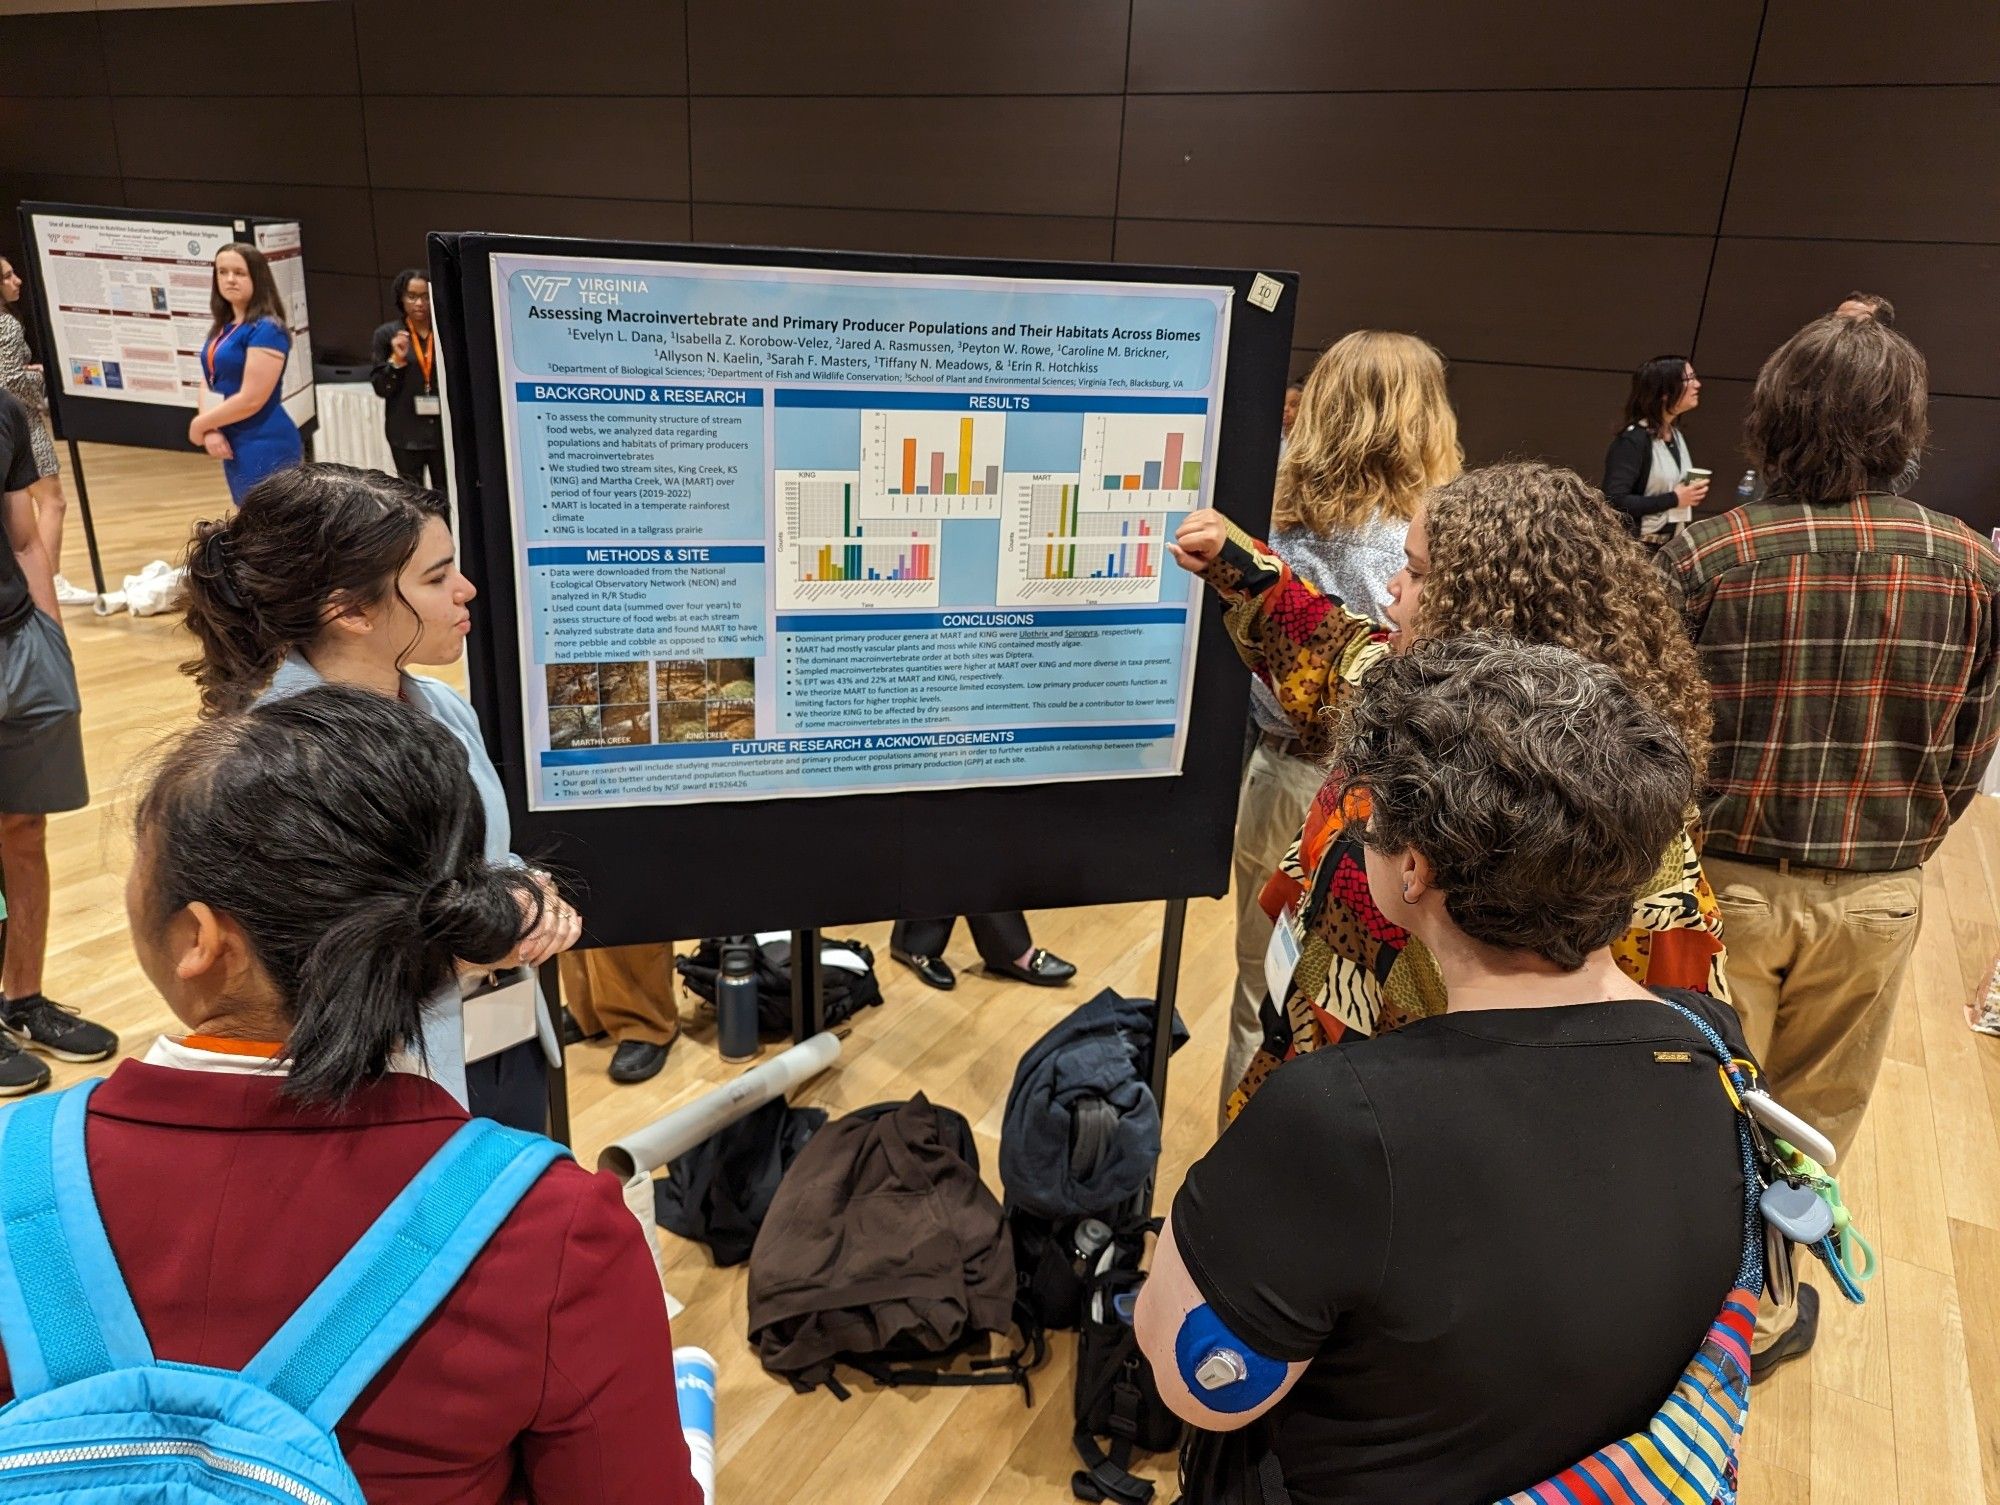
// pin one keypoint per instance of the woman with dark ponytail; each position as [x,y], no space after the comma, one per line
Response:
[308,874]
[328,574]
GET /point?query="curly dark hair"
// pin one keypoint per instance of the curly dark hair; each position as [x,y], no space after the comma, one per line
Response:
[1535,551]
[1541,788]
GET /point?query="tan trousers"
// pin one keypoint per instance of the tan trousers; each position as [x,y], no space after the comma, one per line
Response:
[1816,964]
[1270,809]
[624,991]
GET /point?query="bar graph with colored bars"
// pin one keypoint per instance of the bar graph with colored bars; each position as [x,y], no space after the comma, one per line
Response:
[932,464]
[901,560]
[1143,462]
[838,558]
[1064,545]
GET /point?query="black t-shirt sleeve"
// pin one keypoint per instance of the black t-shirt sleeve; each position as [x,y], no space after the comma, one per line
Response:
[1285,1223]
[17,448]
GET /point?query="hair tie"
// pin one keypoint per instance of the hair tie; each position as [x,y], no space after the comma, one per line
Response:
[214,554]
[437,892]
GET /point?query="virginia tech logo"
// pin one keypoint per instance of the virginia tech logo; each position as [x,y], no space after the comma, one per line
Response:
[544,289]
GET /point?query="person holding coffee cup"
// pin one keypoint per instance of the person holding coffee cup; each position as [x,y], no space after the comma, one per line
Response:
[1648,475]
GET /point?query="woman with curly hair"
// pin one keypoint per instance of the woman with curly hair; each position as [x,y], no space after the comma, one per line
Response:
[1522,548]
[1374,432]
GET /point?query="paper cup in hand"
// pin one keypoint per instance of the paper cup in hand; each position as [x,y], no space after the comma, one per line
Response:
[1696,475]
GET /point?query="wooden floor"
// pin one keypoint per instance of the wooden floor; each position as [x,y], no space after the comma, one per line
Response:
[1900,1402]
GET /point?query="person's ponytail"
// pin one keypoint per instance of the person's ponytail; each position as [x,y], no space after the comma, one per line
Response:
[306,542]
[361,990]
[340,829]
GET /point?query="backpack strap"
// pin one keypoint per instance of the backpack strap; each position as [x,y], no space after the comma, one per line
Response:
[65,1313]
[388,1284]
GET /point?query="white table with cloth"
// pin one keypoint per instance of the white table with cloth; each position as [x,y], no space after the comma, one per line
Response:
[350,426]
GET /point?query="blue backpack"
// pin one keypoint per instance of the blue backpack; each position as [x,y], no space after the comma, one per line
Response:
[96,1418]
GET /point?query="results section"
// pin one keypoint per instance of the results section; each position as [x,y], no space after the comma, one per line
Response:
[784,531]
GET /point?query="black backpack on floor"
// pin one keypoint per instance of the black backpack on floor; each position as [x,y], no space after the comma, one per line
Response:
[846,992]
[1115,1393]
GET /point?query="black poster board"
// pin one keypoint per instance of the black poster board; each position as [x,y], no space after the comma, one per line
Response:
[158,424]
[673,872]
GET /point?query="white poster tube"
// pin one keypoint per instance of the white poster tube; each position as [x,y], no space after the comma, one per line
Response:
[645,1150]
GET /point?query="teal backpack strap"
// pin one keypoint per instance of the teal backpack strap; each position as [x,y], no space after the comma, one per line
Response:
[389,1283]
[65,1314]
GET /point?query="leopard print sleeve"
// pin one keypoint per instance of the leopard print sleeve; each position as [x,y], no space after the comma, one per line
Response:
[1306,646]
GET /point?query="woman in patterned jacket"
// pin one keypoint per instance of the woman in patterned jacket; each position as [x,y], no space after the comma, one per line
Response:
[1522,548]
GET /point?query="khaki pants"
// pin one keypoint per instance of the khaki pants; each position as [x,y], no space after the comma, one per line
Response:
[1277,789]
[624,991]
[1816,964]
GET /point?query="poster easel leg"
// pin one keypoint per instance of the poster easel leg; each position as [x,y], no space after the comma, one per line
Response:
[551,979]
[1166,987]
[808,992]
[89,528]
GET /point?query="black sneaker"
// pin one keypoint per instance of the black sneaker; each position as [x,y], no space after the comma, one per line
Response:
[38,1023]
[20,1073]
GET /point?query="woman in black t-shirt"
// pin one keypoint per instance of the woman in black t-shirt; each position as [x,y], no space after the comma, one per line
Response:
[1475,1250]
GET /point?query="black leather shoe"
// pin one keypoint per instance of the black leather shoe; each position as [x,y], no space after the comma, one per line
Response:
[637,1061]
[573,1032]
[1795,1342]
[933,971]
[1045,969]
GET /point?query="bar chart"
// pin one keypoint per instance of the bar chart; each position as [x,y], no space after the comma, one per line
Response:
[834,556]
[932,464]
[1055,551]
[1142,462]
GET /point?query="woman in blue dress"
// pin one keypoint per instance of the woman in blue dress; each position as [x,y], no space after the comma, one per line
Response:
[243,361]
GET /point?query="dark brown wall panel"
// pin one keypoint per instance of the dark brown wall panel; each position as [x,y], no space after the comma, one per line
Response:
[404,217]
[1962,465]
[345,311]
[1560,300]
[591,148]
[1031,237]
[51,54]
[231,50]
[334,221]
[1869,164]
[1535,188]
[1014,156]
[1530,161]
[1861,42]
[71,135]
[906,47]
[1195,46]
[437,47]
[17,188]
[1530,413]
[1947,300]
[271,139]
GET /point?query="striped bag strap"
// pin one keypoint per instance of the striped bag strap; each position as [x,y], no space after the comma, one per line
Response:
[1686,1455]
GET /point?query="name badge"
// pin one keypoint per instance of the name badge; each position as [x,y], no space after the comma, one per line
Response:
[1281,956]
[428,406]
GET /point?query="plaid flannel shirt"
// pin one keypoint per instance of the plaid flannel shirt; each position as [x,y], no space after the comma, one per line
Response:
[1851,648]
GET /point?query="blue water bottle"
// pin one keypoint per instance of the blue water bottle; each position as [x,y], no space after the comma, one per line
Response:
[736,1001]
[1746,489]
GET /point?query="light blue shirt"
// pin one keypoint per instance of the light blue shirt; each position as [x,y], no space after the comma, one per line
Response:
[444,1015]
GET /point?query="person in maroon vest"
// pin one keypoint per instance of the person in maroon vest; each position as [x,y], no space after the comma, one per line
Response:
[309,872]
